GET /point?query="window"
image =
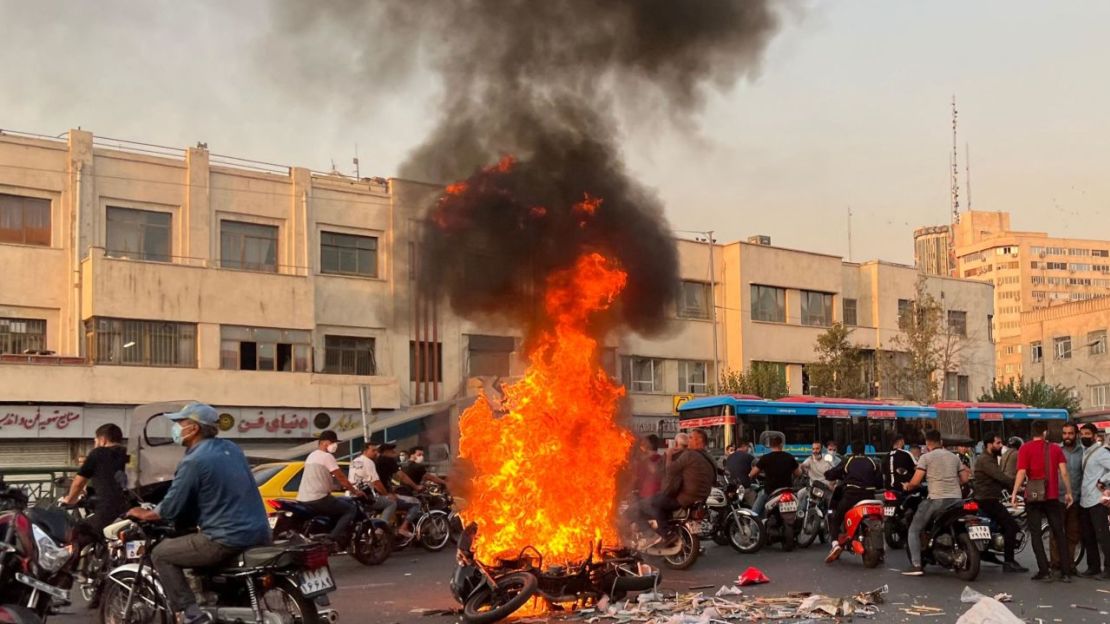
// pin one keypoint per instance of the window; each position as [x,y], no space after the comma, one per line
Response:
[904,308]
[1079,252]
[490,356]
[1079,266]
[693,377]
[248,246]
[816,308]
[1101,253]
[1056,251]
[957,322]
[1062,347]
[349,355]
[1056,266]
[1100,395]
[1096,342]
[348,254]
[141,343]
[694,300]
[643,374]
[990,328]
[18,335]
[963,388]
[950,383]
[850,316]
[265,349]
[138,234]
[768,304]
[1036,352]
[24,220]
[425,361]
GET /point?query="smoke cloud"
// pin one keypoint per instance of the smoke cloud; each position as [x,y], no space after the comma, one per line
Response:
[539,81]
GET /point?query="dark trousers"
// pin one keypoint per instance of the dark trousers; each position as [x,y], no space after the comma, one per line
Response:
[996,511]
[659,508]
[340,510]
[848,499]
[1072,536]
[1053,511]
[1096,535]
[173,555]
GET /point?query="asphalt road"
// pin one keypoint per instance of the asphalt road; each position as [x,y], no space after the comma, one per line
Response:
[412,581]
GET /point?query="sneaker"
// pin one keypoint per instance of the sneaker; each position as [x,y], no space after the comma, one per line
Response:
[1011,567]
[915,571]
[1042,576]
[834,554]
[1089,573]
[1063,578]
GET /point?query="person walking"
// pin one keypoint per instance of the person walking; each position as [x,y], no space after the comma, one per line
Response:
[990,486]
[1073,456]
[1094,517]
[945,473]
[1042,464]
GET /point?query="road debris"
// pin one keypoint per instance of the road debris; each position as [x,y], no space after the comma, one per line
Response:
[752,576]
[988,611]
[970,596]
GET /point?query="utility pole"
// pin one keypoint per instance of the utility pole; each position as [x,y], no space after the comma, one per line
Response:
[713,306]
[967,165]
[849,233]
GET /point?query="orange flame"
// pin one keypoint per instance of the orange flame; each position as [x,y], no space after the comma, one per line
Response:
[545,472]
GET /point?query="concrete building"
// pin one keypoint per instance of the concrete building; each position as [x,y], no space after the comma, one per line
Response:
[933,253]
[1030,271]
[278,294]
[1066,344]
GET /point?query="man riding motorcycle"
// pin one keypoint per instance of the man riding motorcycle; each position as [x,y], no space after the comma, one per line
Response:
[778,469]
[213,488]
[899,466]
[364,473]
[945,473]
[688,480]
[991,484]
[861,476]
[315,491]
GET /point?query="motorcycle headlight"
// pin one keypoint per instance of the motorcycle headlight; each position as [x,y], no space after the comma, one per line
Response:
[51,556]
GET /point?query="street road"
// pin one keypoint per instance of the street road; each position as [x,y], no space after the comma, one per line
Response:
[414,580]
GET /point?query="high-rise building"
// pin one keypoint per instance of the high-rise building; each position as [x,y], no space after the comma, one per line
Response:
[1030,271]
[932,250]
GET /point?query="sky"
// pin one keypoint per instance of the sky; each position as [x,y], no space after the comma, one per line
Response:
[850,110]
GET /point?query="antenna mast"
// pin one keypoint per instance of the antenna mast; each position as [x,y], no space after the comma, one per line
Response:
[955,168]
[967,165]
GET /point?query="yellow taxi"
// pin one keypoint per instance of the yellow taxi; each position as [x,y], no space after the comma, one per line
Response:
[282,479]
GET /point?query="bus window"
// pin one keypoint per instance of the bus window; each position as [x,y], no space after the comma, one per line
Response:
[913,429]
[716,442]
[838,429]
[880,434]
[751,426]
[797,429]
[983,428]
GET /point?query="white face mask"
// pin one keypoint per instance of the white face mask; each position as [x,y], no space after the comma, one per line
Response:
[332,448]
[418,459]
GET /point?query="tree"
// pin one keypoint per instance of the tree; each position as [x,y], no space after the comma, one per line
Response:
[1034,393]
[762,379]
[927,345]
[838,371]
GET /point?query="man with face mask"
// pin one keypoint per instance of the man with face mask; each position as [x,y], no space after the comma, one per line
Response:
[991,484]
[320,468]
[1093,517]
[213,488]
[417,470]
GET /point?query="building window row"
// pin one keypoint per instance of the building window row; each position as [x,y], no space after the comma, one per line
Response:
[694,300]
[646,375]
[265,349]
[21,335]
[129,342]
[1062,346]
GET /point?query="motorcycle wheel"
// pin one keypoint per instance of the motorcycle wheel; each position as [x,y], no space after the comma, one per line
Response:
[788,542]
[686,557]
[894,536]
[434,530]
[287,602]
[745,533]
[370,547]
[1046,539]
[873,553]
[486,606]
[970,570]
[811,528]
[148,607]
[18,614]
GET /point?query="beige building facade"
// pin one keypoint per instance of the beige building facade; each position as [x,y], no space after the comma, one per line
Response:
[1066,344]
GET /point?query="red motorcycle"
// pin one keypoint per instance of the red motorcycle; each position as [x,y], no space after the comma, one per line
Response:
[862,532]
[35,563]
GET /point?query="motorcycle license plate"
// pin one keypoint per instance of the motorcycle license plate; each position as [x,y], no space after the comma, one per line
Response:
[788,506]
[315,582]
[979,532]
[134,549]
[888,511]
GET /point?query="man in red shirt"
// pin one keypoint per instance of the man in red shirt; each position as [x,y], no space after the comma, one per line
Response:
[1032,465]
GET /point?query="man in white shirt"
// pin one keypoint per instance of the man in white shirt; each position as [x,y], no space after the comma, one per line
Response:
[363,472]
[315,491]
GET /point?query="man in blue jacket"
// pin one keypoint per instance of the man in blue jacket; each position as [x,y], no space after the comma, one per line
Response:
[213,488]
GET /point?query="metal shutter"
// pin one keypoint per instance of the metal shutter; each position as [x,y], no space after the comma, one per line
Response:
[35,453]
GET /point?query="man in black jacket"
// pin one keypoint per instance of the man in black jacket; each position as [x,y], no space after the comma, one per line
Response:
[991,484]
[899,466]
[860,477]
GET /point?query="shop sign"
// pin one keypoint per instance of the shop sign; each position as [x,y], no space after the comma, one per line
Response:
[40,421]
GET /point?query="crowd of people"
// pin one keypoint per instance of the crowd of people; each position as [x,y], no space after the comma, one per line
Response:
[1064,486]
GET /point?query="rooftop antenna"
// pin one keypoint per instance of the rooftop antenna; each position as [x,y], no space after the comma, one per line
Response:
[955,167]
[967,166]
[849,233]
[357,176]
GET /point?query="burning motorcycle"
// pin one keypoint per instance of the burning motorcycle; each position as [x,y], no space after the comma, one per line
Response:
[370,540]
[492,593]
[279,584]
[954,540]
[34,561]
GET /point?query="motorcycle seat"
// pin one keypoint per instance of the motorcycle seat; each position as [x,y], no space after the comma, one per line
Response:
[259,555]
[686,512]
[870,501]
[297,507]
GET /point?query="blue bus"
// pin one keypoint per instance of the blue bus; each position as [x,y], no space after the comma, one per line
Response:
[805,419]
[1002,419]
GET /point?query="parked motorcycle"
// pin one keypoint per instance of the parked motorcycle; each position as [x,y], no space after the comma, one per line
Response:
[813,520]
[779,517]
[492,593]
[954,540]
[275,584]
[35,565]
[862,532]
[370,541]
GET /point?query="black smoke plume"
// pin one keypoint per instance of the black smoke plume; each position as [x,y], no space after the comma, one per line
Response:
[539,80]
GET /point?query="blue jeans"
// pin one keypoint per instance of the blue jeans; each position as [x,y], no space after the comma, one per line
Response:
[926,511]
[411,506]
[384,505]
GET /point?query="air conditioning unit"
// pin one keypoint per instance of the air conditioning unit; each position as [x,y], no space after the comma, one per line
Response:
[760,239]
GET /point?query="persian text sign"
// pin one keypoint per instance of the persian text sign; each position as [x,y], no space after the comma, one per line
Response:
[40,421]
